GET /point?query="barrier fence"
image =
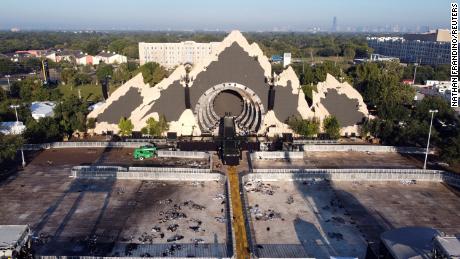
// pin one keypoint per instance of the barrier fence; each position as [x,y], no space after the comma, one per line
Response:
[107,257]
[364,148]
[354,175]
[314,141]
[98,144]
[276,155]
[183,154]
[145,173]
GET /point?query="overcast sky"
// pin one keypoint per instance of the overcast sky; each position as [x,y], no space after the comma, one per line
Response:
[218,14]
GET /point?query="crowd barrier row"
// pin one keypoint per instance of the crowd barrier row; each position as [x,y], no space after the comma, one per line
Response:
[353,175]
[364,148]
[276,155]
[145,173]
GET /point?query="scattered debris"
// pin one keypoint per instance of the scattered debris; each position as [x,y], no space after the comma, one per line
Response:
[175,238]
[265,215]
[220,219]
[290,200]
[173,227]
[192,205]
[258,186]
[408,182]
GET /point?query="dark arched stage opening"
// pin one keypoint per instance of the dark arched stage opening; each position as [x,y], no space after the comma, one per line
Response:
[228,103]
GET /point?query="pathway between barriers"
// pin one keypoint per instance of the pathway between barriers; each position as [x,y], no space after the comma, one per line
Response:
[241,241]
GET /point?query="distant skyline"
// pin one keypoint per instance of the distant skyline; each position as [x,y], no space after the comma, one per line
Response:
[246,15]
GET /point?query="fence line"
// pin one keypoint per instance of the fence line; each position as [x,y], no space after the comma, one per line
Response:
[364,148]
[183,154]
[354,175]
[276,155]
[314,142]
[98,144]
[107,257]
[145,173]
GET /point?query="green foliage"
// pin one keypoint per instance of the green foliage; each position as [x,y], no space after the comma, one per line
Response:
[153,73]
[103,71]
[380,84]
[331,127]
[307,128]
[155,128]
[91,123]
[42,131]
[80,78]
[9,144]
[71,114]
[125,126]
[427,72]
[67,75]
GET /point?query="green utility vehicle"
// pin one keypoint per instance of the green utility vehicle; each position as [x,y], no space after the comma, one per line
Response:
[145,152]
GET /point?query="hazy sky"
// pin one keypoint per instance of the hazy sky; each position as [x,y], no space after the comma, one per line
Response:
[217,14]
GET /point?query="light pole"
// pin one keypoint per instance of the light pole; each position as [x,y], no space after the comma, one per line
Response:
[429,136]
[15,107]
[9,86]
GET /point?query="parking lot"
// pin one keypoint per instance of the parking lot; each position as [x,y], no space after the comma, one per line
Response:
[342,160]
[379,206]
[321,218]
[108,217]
[296,219]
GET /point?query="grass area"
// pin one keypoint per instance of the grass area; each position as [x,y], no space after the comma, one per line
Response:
[88,92]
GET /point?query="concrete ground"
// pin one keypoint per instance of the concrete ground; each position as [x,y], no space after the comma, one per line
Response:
[343,160]
[107,156]
[312,225]
[379,206]
[104,217]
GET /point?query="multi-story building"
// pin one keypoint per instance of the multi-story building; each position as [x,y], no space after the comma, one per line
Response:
[170,55]
[428,48]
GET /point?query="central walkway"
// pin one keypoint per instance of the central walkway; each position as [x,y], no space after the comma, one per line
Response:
[241,241]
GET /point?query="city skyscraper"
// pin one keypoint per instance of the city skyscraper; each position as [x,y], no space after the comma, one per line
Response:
[334,24]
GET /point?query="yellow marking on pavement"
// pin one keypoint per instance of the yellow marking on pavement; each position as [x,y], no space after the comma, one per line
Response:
[241,241]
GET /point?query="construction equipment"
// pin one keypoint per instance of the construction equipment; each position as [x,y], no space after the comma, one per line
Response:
[145,152]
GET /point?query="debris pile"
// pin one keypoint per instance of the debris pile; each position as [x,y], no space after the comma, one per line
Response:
[408,182]
[290,200]
[258,186]
[264,215]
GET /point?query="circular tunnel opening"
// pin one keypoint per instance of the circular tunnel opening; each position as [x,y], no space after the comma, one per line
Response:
[228,103]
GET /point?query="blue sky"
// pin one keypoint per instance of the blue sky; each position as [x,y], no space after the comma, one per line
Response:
[222,15]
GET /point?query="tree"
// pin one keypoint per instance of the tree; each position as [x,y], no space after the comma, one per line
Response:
[155,128]
[331,127]
[71,114]
[125,126]
[67,74]
[42,131]
[104,70]
[9,144]
[152,73]
[81,79]
[91,123]
[307,128]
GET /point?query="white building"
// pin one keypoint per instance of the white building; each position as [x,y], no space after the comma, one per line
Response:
[109,58]
[286,59]
[42,109]
[12,127]
[170,55]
